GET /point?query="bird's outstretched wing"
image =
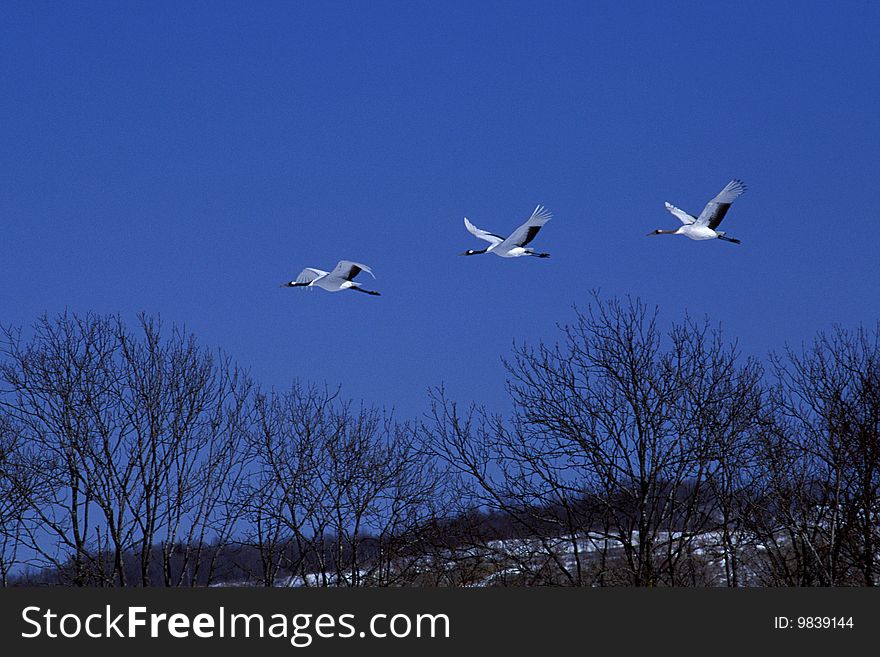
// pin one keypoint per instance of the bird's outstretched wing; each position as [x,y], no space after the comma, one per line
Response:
[715,209]
[347,270]
[526,233]
[492,238]
[683,216]
[309,274]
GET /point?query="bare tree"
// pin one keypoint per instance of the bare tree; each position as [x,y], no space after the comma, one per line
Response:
[606,466]
[819,509]
[633,456]
[378,487]
[281,498]
[135,438]
[337,494]
[18,487]
[187,413]
[56,389]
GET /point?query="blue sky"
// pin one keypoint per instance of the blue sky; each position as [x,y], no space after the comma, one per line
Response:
[185,160]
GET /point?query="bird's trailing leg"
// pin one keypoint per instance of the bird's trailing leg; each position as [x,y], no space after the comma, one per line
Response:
[540,255]
[360,289]
[729,239]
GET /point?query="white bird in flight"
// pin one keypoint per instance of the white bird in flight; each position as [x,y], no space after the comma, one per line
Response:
[515,245]
[703,227]
[334,281]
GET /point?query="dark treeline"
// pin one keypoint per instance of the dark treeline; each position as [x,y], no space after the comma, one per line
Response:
[634,455]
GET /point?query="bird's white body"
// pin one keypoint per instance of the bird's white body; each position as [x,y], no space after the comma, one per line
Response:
[513,246]
[697,232]
[333,281]
[703,227]
[514,252]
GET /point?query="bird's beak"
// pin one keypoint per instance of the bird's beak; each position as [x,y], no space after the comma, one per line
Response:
[651,233]
[465,253]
